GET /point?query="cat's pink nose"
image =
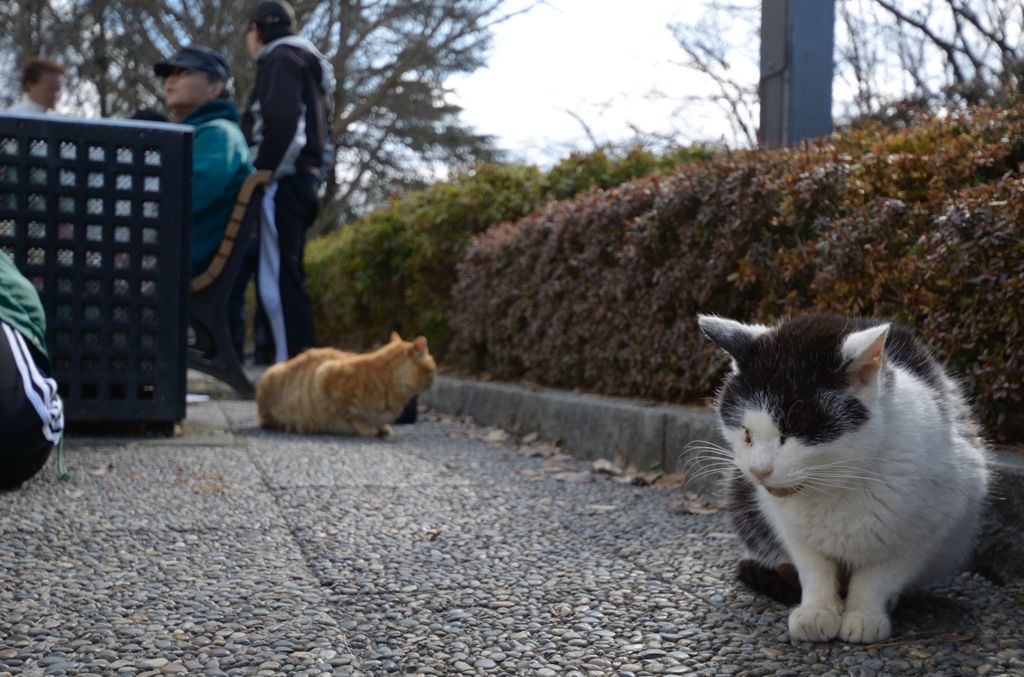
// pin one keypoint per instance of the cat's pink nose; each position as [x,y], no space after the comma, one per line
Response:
[760,472]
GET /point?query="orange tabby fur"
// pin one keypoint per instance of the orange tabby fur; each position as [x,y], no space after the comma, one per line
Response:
[332,391]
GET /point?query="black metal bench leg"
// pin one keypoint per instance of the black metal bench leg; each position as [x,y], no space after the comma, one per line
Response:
[219,359]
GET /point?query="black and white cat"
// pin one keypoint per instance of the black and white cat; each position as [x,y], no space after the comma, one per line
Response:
[857,460]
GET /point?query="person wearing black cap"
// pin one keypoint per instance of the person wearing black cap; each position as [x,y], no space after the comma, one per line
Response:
[287,122]
[195,92]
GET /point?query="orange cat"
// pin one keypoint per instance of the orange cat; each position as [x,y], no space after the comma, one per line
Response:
[331,391]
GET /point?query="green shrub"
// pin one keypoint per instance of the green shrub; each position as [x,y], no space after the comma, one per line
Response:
[395,268]
[922,225]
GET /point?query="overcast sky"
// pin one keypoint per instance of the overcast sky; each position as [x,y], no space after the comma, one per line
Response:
[603,60]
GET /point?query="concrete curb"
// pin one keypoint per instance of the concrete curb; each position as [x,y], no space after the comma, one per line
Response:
[655,437]
[644,437]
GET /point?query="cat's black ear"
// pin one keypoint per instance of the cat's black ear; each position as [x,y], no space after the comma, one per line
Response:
[864,350]
[734,337]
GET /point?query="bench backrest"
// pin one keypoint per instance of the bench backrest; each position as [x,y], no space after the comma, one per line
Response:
[234,231]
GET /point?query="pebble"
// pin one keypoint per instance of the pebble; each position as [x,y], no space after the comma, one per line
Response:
[153,663]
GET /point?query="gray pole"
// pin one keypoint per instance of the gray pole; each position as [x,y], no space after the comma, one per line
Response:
[796,70]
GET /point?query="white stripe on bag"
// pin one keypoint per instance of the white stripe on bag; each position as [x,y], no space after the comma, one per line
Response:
[40,390]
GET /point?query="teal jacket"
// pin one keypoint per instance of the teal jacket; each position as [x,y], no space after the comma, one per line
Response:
[220,164]
[20,307]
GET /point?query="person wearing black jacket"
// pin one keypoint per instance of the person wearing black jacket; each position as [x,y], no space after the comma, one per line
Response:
[287,124]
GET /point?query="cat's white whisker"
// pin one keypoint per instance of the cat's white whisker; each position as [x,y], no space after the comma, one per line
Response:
[819,490]
[716,450]
[847,469]
[708,443]
[852,477]
[710,470]
[704,462]
[703,459]
[704,452]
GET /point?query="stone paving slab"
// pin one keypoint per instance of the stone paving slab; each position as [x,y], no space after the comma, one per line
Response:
[162,601]
[135,485]
[300,461]
[443,550]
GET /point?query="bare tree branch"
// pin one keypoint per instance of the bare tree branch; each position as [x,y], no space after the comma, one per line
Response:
[946,46]
[586,128]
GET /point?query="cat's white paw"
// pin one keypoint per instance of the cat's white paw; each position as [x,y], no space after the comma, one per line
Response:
[813,624]
[864,628]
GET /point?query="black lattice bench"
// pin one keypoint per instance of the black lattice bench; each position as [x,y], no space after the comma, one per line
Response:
[97,214]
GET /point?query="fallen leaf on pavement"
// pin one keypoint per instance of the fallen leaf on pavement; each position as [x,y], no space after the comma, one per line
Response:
[554,464]
[432,534]
[574,477]
[531,438]
[645,479]
[697,506]
[671,481]
[495,435]
[209,488]
[539,451]
[605,467]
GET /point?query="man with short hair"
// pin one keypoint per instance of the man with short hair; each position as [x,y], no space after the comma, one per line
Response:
[42,80]
[195,91]
[287,122]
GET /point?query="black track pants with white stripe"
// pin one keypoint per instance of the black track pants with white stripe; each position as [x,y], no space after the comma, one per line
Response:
[31,417]
[289,208]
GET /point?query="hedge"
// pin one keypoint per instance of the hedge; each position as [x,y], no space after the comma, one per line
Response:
[922,225]
[395,268]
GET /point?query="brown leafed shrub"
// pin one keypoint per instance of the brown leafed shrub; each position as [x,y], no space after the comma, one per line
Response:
[923,225]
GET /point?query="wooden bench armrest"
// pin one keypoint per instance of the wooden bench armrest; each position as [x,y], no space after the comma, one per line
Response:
[227,244]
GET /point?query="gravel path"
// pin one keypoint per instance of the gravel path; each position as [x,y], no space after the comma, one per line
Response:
[443,550]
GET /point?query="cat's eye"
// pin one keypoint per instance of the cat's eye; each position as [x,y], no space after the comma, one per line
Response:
[746,436]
